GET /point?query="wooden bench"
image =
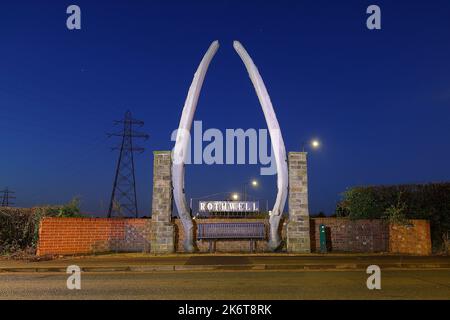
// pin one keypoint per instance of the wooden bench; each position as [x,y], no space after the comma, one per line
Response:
[231,230]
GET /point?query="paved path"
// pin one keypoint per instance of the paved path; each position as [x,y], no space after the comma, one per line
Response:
[410,284]
[130,262]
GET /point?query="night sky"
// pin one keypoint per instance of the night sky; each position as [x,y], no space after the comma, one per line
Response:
[378,100]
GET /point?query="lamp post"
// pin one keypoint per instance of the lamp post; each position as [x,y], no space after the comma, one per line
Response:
[254,183]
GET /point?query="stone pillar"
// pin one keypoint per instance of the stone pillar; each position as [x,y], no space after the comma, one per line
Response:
[298,238]
[162,234]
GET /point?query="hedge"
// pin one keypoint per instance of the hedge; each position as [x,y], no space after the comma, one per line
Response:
[19,227]
[414,201]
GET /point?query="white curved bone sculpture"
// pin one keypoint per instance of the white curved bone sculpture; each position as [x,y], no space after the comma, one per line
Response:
[277,144]
[182,143]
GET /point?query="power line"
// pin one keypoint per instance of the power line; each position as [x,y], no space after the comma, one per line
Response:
[123,197]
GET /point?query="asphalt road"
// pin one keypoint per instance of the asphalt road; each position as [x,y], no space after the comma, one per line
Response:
[398,284]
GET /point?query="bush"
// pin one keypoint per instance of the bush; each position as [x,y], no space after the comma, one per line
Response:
[412,201]
[16,229]
[396,214]
[19,227]
[69,210]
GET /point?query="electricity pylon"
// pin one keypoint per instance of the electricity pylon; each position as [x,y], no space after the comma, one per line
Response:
[123,198]
[7,196]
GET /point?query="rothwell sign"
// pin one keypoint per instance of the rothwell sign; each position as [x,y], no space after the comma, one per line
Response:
[228,206]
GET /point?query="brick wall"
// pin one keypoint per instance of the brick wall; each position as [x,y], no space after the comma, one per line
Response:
[91,235]
[345,235]
[414,238]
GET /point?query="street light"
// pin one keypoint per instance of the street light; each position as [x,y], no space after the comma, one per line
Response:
[254,183]
[235,196]
[314,144]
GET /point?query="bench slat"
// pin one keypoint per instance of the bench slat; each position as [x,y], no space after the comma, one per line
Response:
[233,230]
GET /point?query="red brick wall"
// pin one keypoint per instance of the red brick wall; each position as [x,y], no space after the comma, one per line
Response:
[90,235]
[345,235]
[413,238]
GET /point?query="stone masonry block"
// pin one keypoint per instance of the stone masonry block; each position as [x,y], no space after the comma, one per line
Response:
[297,231]
[162,231]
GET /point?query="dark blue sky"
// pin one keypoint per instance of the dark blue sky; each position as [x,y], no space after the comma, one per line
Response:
[378,100]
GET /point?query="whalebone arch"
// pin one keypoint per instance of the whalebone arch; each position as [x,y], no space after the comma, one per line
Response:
[180,150]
